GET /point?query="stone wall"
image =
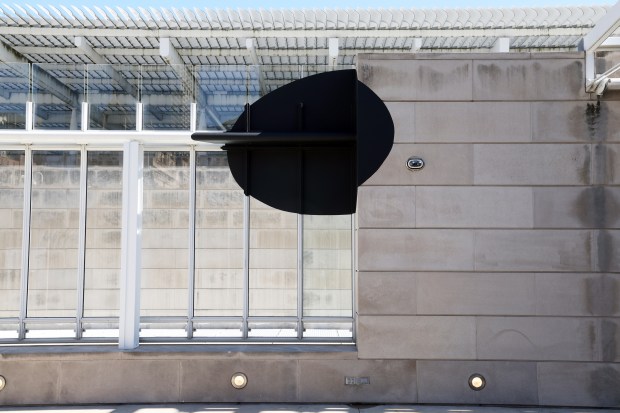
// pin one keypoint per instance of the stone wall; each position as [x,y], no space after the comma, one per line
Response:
[502,255]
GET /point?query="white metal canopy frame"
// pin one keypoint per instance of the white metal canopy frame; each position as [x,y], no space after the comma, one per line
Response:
[603,37]
[289,36]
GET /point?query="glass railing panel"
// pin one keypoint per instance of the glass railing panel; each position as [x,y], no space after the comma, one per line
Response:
[112,94]
[167,92]
[267,78]
[223,92]
[58,93]
[14,93]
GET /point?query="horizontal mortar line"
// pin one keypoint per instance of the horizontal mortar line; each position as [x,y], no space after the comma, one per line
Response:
[577,99]
[470,185]
[536,142]
[488,229]
[536,316]
[568,143]
[466,271]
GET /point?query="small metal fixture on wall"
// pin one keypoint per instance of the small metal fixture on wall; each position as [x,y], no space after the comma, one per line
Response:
[415,164]
[2,383]
[307,146]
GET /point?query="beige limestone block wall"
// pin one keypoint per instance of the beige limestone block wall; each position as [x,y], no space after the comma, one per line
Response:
[502,255]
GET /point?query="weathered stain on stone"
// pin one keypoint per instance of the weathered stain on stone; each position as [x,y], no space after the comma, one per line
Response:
[601,295]
[603,386]
[610,165]
[609,340]
[605,250]
[596,207]
[435,80]
[366,74]
[584,169]
[596,120]
[491,71]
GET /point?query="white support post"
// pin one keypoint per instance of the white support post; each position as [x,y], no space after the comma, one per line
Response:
[501,45]
[131,243]
[193,107]
[416,45]
[333,51]
[85,116]
[139,116]
[29,116]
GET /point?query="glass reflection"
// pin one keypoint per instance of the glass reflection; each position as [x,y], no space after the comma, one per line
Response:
[327,266]
[273,261]
[103,234]
[11,224]
[14,90]
[219,238]
[165,236]
[58,93]
[52,279]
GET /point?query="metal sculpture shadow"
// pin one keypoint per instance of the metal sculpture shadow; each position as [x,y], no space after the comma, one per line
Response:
[307,146]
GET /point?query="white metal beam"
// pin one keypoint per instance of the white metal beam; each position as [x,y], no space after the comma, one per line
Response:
[250,45]
[333,48]
[83,45]
[50,83]
[170,54]
[603,28]
[611,44]
[318,33]
[416,45]
[501,45]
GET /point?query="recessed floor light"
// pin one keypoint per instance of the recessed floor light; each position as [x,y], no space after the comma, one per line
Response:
[239,380]
[477,382]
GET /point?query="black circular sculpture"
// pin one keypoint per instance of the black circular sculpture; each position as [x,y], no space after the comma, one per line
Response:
[308,145]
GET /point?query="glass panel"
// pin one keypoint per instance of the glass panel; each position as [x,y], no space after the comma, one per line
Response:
[52,280]
[58,91]
[267,78]
[327,265]
[225,91]
[14,90]
[50,330]
[112,96]
[166,93]
[103,234]
[326,329]
[273,261]
[11,207]
[9,331]
[163,329]
[165,235]
[273,329]
[217,329]
[219,238]
[100,330]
